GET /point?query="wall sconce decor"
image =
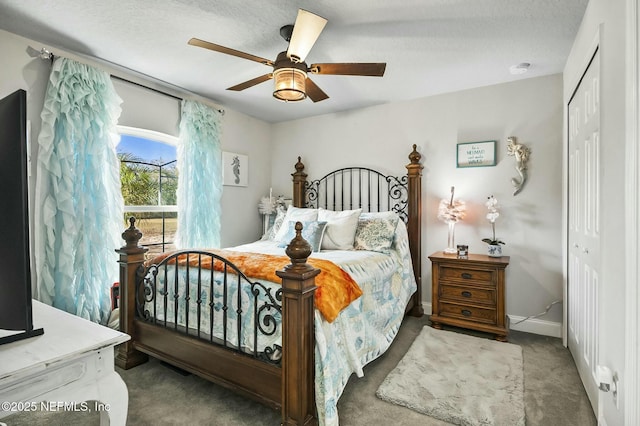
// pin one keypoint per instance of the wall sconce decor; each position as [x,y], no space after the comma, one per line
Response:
[451,211]
[521,154]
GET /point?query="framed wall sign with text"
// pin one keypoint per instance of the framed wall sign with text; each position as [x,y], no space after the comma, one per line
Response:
[476,154]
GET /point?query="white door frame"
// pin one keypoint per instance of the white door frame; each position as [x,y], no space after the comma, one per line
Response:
[631,381]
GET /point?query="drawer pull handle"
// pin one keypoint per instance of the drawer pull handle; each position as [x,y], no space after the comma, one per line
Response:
[467,276]
[466,293]
[466,313]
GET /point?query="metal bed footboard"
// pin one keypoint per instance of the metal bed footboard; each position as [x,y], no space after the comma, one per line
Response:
[208,298]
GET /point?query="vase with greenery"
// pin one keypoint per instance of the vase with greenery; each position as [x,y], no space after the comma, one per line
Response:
[495,245]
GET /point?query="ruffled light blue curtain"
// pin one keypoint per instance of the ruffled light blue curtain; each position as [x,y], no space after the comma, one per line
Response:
[79,206]
[199,176]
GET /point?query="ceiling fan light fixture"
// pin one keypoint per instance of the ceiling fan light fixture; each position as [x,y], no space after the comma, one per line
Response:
[290,71]
[289,84]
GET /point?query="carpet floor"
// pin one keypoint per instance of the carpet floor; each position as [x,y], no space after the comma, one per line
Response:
[554,395]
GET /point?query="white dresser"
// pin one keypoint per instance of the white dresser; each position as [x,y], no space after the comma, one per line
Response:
[64,369]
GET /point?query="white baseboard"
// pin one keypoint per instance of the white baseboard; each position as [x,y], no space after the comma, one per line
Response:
[534,325]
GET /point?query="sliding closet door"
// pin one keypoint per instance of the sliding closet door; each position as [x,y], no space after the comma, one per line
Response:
[584,227]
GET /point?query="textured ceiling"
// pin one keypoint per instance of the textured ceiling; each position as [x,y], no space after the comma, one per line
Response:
[430,46]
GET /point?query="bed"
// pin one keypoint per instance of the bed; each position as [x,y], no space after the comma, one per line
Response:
[291,334]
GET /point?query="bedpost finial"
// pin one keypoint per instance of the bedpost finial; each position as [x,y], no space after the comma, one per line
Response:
[298,249]
[299,166]
[415,156]
[132,235]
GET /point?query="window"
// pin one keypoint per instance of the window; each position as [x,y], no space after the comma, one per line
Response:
[149,179]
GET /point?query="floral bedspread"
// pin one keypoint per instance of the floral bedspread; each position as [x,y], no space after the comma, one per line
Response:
[366,328]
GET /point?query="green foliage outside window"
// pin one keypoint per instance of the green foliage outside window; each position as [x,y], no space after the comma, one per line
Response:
[146,184]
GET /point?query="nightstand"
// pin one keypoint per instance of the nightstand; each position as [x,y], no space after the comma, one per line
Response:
[469,292]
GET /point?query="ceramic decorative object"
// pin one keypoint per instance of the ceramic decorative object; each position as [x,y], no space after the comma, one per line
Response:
[494,250]
[521,153]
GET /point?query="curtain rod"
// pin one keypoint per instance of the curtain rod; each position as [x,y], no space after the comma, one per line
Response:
[146,87]
[46,54]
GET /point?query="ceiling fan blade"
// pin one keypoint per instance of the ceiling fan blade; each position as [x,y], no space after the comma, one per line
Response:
[355,68]
[252,82]
[229,51]
[306,31]
[314,93]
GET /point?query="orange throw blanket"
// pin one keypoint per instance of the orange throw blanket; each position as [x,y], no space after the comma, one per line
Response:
[336,289]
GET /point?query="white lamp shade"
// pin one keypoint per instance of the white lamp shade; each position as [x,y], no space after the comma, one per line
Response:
[451,212]
[306,31]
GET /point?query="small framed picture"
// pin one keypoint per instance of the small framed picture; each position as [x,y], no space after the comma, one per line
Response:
[476,154]
[235,169]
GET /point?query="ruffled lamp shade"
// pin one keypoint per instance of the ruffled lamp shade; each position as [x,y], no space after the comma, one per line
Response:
[450,211]
[266,207]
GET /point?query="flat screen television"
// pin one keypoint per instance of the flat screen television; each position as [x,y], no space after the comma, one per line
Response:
[15,261]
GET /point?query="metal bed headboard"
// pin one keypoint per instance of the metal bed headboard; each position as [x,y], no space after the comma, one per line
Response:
[359,187]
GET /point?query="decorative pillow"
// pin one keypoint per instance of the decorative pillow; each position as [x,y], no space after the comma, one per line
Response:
[295,214]
[277,223]
[341,228]
[376,233]
[312,231]
[379,215]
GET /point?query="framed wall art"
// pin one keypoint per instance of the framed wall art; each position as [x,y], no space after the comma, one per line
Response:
[476,154]
[235,169]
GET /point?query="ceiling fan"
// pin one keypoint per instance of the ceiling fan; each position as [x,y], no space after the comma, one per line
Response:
[290,71]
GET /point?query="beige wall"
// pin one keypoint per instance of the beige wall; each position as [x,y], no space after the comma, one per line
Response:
[381,137]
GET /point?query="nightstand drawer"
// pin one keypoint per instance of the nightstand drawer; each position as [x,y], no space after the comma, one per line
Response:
[467,294]
[468,313]
[451,273]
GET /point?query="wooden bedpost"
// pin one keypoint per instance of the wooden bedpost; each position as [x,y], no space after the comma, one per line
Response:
[131,257]
[299,182]
[298,339]
[414,229]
